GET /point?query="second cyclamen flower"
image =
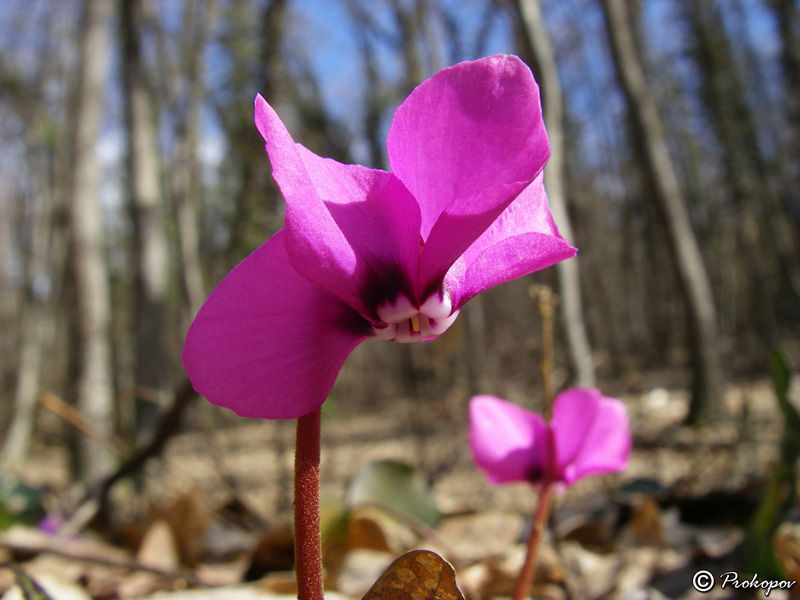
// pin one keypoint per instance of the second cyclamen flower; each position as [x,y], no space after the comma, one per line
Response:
[373,253]
[588,435]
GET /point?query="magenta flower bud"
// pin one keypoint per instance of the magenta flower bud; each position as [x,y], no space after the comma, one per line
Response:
[369,253]
[588,435]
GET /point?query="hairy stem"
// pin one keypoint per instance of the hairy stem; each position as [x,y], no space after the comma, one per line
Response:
[537,528]
[307,541]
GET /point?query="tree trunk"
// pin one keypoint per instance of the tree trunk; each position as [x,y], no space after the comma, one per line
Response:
[95,395]
[648,130]
[151,376]
[787,15]
[186,182]
[34,322]
[373,102]
[408,31]
[767,235]
[572,317]
[253,216]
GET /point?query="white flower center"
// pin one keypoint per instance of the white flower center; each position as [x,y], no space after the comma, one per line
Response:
[407,323]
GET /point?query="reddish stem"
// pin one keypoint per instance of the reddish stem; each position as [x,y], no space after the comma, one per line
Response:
[307,540]
[537,528]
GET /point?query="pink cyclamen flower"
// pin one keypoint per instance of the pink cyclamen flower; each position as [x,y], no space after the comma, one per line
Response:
[369,253]
[588,435]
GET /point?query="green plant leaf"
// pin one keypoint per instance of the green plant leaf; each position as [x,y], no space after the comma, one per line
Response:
[19,502]
[395,485]
[758,554]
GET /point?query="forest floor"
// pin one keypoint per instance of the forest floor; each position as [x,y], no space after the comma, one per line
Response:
[213,510]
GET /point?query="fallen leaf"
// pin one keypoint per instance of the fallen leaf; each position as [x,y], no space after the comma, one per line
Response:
[359,571]
[159,549]
[240,592]
[416,575]
[273,552]
[498,576]
[481,535]
[589,574]
[189,518]
[787,550]
[30,588]
[282,582]
[366,533]
[647,523]
[45,588]
[378,529]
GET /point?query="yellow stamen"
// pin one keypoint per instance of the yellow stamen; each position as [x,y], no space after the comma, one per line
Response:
[414,323]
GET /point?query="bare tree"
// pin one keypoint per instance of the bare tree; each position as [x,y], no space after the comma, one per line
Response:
[538,40]
[772,251]
[95,382]
[186,180]
[36,310]
[408,27]
[33,324]
[671,208]
[150,253]
[787,15]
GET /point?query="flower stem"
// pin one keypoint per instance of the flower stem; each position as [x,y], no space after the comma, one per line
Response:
[546,303]
[307,540]
[537,528]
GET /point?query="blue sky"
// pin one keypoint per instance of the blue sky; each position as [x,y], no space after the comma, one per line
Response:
[325,32]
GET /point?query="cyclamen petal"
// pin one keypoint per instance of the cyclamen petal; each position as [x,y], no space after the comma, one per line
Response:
[268,343]
[523,239]
[349,228]
[590,435]
[472,127]
[373,253]
[508,442]
[604,445]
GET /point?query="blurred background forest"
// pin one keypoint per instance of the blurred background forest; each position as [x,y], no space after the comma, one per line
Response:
[133,180]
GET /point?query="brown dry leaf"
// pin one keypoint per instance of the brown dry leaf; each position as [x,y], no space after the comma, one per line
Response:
[647,523]
[718,542]
[481,535]
[283,582]
[58,566]
[140,583]
[498,577]
[219,574]
[787,552]
[189,518]
[159,549]
[416,575]
[359,571]
[640,565]
[273,552]
[366,533]
[588,574]
[54,587]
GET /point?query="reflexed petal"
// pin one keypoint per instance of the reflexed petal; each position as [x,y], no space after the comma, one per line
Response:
[462,139]
[457,229]
[529,213]
[591,433]
[508,442]
[522,240]
[379,218]
[354,231]
[574,411]
[269,343]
